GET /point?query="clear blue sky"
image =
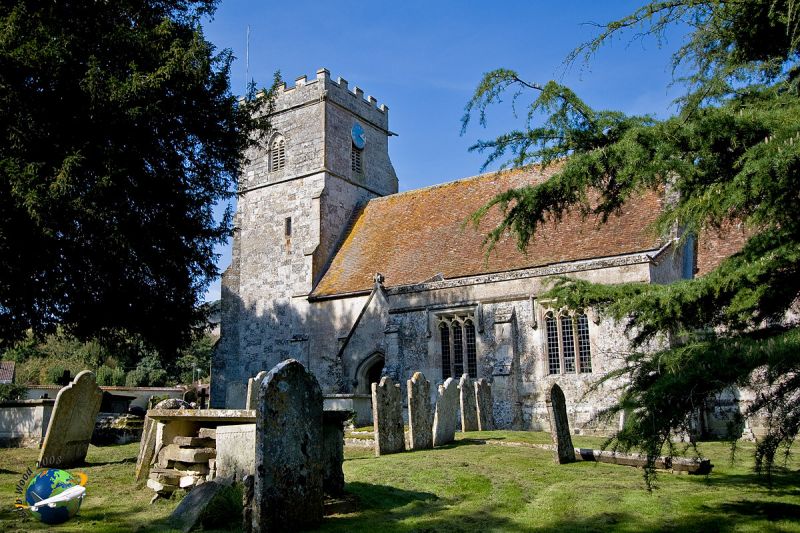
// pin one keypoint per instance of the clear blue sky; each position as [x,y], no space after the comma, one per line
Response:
[423,59]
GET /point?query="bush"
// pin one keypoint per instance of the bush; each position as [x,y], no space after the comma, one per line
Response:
[118,377]
[136,378]
[12,391]
[54,373]
[104,375]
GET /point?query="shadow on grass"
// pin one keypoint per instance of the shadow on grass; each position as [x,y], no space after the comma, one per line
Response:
[783,482]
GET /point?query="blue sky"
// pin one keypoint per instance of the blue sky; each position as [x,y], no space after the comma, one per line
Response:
[423,59]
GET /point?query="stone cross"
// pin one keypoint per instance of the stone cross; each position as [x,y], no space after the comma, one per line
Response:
[469,413]
[559,426]
[202,398]
[446,415]
[287,491]
[420,414]
[72,423]
[484,404]
[253,384]
[387,417]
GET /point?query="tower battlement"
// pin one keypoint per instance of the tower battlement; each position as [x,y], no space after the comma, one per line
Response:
[323,86]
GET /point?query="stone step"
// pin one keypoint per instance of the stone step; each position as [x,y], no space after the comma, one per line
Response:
[191,481]
[191,468]
[173,452]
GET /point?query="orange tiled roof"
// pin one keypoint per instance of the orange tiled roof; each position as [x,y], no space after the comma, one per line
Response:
[412,236]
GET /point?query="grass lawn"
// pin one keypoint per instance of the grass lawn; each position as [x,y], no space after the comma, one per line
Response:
[470,486]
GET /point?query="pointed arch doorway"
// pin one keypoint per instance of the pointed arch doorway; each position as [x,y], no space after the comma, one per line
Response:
[368,372]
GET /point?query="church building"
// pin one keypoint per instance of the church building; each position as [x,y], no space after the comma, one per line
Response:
[333,267]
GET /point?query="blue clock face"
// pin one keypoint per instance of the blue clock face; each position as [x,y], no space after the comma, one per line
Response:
[358,135]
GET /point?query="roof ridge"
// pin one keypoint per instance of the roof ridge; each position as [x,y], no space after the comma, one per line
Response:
[504,171]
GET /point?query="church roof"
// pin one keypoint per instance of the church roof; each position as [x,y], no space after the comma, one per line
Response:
[412,236]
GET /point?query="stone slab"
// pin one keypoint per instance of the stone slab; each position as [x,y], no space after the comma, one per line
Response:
[559,426]
[173,452]
[287,491]
[225,416]
[188,512]
[420,412]
[333,450]
[253,385]
[445,416]
[207,433]
[196,442]
[72,423]
[236,451]
[387,416]
[469,412]
[484,405]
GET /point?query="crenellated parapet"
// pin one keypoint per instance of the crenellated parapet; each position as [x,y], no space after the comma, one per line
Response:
[306,91]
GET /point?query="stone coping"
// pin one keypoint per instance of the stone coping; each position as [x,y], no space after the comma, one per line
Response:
[204,415]
[345,396]
[28,403]
[218,415]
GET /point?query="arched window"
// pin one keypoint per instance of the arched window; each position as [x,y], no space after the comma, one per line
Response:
[356,160]
[553,353]
[584,346]
[277,153]
[444,332]
[458,342]
[569,349]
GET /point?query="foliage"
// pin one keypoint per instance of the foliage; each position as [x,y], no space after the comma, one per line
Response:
[119,135]
[12,391]
[730,155]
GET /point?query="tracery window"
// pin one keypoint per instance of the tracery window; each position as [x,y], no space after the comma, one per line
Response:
[458,345]
[277,153]
[569,349]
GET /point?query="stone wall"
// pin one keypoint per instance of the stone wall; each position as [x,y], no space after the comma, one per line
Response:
[24,422]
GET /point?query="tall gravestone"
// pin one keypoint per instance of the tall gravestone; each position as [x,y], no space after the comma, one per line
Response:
[333,450]
[484,405]
[445,417]
[559,426]
[72,423]
[387,417]
[287,491]
[420,414]
[253,385]
[469,413]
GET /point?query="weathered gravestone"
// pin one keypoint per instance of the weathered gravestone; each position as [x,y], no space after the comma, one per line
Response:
[287,491]
[469,413]
[333,450]
[387,417]
[72,423]
[446,415]
[559,426]
[253,384]
[188,513]
[236,455]
[484,404]
[420,414]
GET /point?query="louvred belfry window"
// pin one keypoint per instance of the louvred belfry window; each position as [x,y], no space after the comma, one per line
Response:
[277,153]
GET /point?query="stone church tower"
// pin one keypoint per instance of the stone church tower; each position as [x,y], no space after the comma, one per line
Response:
[326,157]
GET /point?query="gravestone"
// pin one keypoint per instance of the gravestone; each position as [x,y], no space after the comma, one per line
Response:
[469,413]
[333,450]
[72,423]
[235,451]
[484,404]
[559,426]
[253,384]
[387,416]
[287,492]
[420,414]
[189,511]
[445,418]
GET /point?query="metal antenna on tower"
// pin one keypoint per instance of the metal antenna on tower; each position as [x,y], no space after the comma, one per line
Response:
[247,63]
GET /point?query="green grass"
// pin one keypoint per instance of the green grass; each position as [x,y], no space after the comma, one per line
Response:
[469,486]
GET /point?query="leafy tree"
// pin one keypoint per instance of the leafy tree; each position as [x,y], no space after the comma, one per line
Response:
[118,134]
[731,154]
